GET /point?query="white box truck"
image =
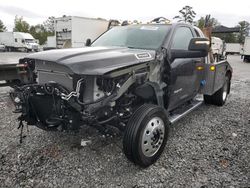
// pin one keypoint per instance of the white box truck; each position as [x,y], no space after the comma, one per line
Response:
[233,48]
[51,43]
[246,50]
[73,31]
[17,40]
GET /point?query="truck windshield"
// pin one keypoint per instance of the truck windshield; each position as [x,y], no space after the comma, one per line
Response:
[134,36]
[29,40]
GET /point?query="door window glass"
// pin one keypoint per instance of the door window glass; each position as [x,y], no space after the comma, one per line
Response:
[181,39]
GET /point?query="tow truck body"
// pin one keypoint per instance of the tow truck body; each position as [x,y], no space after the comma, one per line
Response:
[138,78]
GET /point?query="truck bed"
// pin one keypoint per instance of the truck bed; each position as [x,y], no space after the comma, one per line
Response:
[11,57]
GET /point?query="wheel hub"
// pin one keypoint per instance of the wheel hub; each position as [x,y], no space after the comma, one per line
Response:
[153,136]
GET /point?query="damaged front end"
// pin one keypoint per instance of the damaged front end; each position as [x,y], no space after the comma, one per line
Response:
[42,105]
[94,100]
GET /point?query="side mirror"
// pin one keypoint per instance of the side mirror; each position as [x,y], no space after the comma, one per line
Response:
[88,42]
[200,45]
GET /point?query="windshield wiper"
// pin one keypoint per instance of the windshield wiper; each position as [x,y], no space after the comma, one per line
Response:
[132,47]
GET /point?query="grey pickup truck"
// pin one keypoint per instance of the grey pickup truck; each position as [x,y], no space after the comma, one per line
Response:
[138,78]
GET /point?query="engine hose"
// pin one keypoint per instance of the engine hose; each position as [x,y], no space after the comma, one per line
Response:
[127,104]
[47,91]
[107,120]
[55,122]
[98,100]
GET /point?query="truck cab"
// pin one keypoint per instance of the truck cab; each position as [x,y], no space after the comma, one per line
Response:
[137,78]
[26,41]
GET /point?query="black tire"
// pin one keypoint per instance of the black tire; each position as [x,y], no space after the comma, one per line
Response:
[135,132]
[246,59]
[219,98]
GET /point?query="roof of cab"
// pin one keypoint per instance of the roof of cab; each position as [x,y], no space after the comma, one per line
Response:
[23,35]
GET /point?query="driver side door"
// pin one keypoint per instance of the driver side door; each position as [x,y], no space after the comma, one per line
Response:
[185,79]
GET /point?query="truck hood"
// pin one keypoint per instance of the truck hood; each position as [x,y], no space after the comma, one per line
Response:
[95,60]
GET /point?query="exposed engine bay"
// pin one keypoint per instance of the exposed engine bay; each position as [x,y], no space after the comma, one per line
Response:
[59,100]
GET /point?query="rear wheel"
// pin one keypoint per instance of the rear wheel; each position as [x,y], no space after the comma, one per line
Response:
[246,59]
[145,135]
[219,98]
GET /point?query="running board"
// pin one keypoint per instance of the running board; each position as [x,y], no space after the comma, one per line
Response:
[175,116]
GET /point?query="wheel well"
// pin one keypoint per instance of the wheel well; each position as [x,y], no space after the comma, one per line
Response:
[229,73]
[146,92]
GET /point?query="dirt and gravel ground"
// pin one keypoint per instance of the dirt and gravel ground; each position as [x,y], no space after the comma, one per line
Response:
[208,148]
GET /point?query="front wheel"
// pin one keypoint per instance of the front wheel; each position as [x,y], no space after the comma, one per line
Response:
[145,135]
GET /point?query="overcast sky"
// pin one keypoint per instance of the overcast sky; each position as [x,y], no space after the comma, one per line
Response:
[229,13]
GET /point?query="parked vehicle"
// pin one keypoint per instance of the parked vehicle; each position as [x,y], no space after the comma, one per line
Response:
[51,43]
[18,41]
[72,31]
[218,48]
[2,48]
[246,50]
[233,48]
[137,78]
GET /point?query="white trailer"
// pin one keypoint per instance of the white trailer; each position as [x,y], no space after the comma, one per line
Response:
[246,49]
[233,48]
[73,31]
[17,40]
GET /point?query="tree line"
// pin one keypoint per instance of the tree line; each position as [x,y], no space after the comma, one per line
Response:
[186,14]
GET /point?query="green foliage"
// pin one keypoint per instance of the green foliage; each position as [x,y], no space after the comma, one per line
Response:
[209,21]
[187,15]
[227,37]
[244,31]
[20,25]
[49,24]
[236,37]
[39,31]
[2,27]
[202,22]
